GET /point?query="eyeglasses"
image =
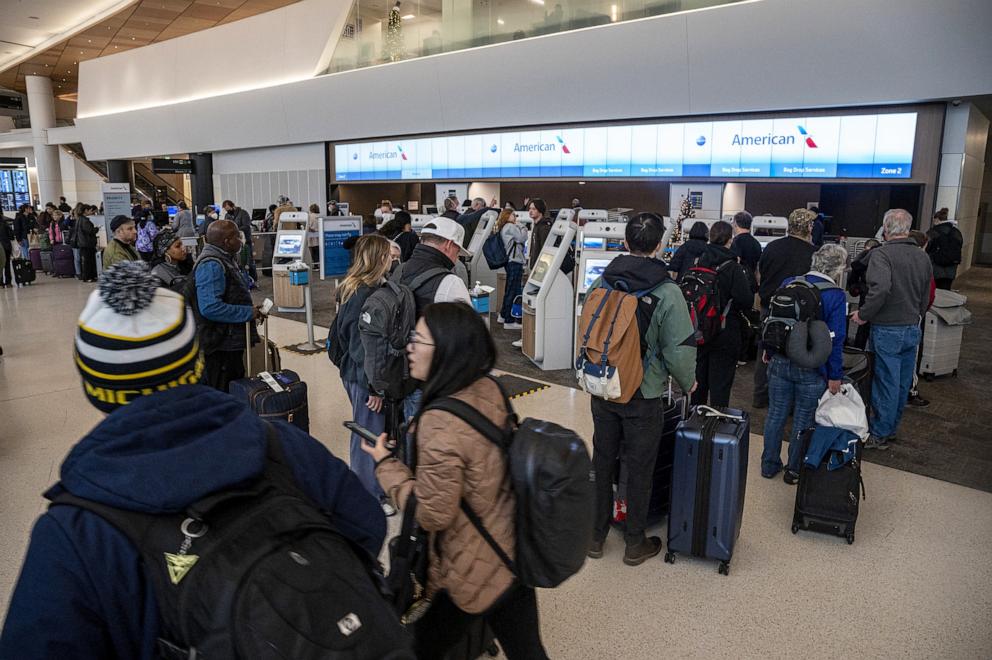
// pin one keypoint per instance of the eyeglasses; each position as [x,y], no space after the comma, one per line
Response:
[414,338]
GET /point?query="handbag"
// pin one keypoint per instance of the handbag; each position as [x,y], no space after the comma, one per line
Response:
[408,560]
[844,410]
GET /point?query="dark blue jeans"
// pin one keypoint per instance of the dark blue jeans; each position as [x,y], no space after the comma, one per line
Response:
[790,388]
[895,360]
[514,287]
[362,464]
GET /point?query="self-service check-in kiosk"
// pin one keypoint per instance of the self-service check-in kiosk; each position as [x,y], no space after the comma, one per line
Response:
[291,245]
[768,228]
[598,244]
[419,221]
[479,270]
[549,303]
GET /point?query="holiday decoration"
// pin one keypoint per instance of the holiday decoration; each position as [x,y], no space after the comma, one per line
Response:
[685,212]
[393,48]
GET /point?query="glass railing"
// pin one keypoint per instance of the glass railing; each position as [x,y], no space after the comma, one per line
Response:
[382,31]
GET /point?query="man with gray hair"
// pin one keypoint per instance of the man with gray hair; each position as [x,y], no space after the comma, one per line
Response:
[898,281]
[470,219]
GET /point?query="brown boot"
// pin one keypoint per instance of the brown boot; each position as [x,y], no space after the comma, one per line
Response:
[640,553]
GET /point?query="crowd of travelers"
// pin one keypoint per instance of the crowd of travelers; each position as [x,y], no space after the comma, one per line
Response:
[161,340]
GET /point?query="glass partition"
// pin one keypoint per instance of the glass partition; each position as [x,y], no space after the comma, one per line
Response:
[381,31]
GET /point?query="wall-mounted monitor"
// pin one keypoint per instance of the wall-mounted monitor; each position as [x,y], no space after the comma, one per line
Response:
[870,146]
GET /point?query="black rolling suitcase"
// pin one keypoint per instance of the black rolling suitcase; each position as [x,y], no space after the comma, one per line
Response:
[859,369]
[24,273]
[709,478]
[828,500]
[275,394]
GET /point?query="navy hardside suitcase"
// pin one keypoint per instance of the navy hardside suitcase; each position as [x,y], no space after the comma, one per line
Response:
[290,404]
[828,500]
[709,478]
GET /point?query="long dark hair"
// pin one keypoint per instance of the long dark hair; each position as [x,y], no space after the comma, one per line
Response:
[464,351]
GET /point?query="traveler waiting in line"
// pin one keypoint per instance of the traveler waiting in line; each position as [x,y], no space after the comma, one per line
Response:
[716,360]
[857,286]
[210,214]
[385,207]
[685,257]
[171,265]
[746,247]
[634,429]
[121,246]
[223,305]
[84,591]
[452,352]
[899,278]
[439,249]
[183,222]
[470,219]
[285,206]
[269,223]
[242,219]
[313,233]
[782,258]
[400,230]
[795,389]
[538,211]
[371,260]
[64,206]
[944,247]
[450,208]
[514,241]
[818,228]
[7,245]
[147,231]
[86,233]
[77,214]
[24,223]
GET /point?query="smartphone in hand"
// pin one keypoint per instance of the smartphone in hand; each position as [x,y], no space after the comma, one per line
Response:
[368,436]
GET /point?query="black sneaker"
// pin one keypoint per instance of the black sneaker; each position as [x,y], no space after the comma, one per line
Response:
[595,550]
[758,405]
[790,477]
[640,553]
[875,442]
[918,401]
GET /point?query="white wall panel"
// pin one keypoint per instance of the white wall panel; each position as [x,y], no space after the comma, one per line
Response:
[838,53]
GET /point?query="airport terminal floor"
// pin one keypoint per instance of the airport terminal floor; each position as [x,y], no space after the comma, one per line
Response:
[916,584]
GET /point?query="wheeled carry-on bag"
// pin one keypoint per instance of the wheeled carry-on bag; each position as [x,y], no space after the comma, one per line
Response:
[859,369]
[709,477]
[47,262]
[23,272]
[273,394]
[63,263]
[35,255]
[828,500]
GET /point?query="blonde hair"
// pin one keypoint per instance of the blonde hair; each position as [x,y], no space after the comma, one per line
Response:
[371,262]
[505,216]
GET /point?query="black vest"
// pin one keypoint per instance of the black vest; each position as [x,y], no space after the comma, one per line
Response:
[215,335]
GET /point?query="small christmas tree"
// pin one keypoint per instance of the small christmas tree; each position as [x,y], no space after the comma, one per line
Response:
[685,211]
[393,49]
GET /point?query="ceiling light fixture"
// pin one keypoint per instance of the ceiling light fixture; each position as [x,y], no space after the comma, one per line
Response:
[500,21]
[613,13]
[408,17]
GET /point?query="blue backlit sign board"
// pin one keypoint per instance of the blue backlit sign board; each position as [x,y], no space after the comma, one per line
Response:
[849,146]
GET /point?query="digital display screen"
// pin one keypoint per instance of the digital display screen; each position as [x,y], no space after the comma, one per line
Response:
[290,246]
[851,146]
[594,269]
[542,267]
[172,210]
[594,243]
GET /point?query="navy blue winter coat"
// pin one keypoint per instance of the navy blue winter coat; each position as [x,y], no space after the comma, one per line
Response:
[82,592]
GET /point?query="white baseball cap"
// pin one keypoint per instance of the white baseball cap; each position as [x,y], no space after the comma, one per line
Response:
[449,229]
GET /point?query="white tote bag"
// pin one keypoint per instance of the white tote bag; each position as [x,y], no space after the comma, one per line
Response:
[844,410]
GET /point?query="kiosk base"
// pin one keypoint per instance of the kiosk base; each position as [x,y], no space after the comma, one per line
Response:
[286,296]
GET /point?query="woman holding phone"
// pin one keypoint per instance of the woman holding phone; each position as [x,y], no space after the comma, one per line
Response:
[452,352]
[371,262]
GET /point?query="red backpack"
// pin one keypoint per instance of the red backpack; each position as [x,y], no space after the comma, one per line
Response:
[706,307]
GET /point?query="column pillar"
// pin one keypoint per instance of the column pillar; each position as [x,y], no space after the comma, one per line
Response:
[41,110]
[962,166]
[119,171]
[202,180]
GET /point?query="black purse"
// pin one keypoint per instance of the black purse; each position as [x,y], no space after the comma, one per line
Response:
[408,560]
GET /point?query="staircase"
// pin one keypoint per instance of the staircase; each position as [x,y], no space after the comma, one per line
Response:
[147,184]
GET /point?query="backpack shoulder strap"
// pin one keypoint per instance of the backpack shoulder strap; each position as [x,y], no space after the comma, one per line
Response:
[427,276]
[473,418]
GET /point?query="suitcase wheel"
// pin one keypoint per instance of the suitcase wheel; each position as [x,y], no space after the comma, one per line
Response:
[724,568]
[928,377]
[795,528]
[492,650]
[669,557]
[850,538]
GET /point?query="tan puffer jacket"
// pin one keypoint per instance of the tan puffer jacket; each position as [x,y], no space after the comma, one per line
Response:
[455,461]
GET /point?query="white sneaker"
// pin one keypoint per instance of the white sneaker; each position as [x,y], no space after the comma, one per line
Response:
[512,326]
[518,344]
[388,509]
[500,319]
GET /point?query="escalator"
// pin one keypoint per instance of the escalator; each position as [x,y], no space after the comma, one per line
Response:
[147,184]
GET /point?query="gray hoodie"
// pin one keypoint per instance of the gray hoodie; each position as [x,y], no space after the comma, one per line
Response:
[898,278]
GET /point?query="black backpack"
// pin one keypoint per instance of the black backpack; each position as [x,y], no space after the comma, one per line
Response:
[387,319]
[553,480]
[796,302]
[258,572]
[945,248]
[495,252]
[707,310]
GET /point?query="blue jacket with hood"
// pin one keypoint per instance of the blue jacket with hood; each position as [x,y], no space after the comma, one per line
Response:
[82,592]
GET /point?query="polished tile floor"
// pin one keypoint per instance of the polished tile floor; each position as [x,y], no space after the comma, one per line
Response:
[916,584]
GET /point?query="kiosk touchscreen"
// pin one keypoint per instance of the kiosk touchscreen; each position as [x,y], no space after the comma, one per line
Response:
[549,303]
[598,244]
[479,270]
[290,245]
[768,228]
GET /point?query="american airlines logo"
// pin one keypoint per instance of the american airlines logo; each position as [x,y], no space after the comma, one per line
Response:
[542,146]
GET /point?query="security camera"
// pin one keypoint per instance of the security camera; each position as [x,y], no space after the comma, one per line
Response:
[956,102]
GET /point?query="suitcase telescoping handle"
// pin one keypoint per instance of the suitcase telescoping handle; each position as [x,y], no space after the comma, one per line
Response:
[707,411]
[685,399]
[265,344]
